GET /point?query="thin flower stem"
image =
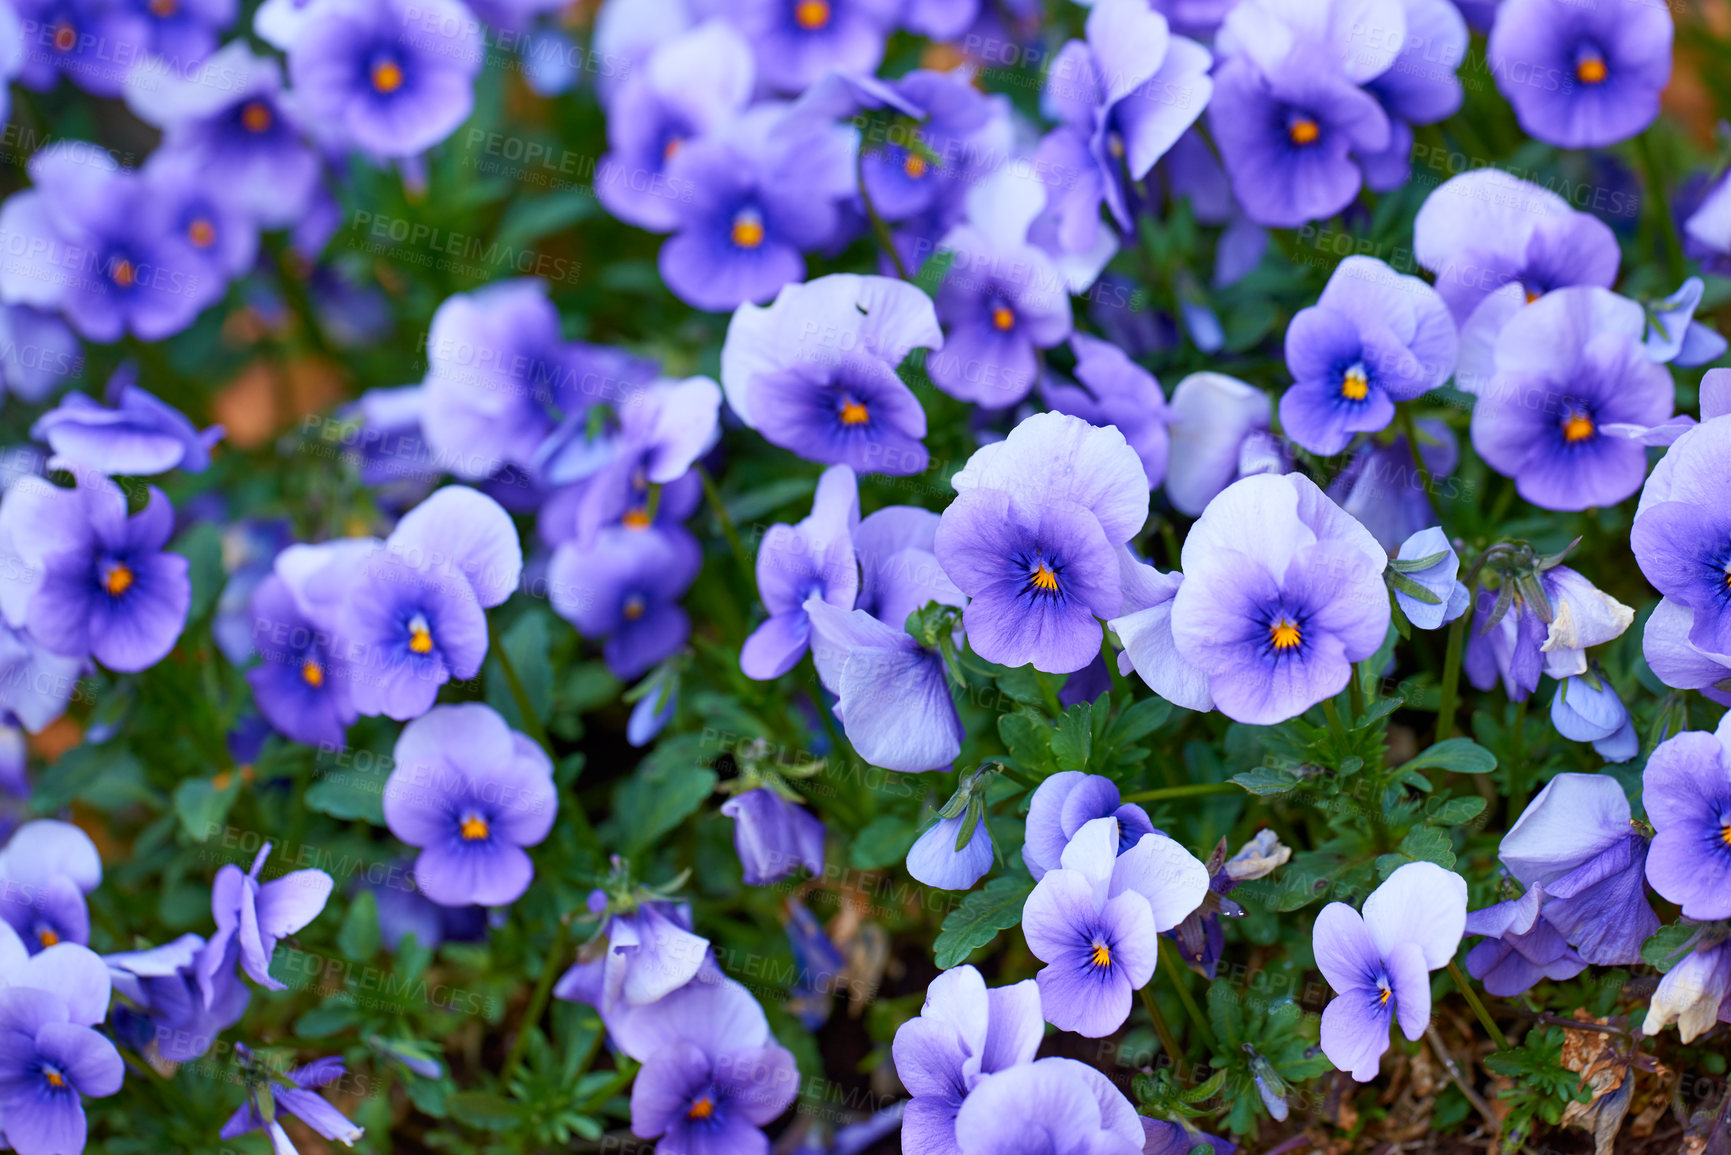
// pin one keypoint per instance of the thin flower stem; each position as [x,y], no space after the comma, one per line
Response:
[713,496]
[1168,1042]
[1192,790]
[537,1002]
[1666,224]
[1445,714]
[1478,1006]
[880,230]
[532,724]
[1332,713]
[1180,976]
[1466,1090]
[1355,694]
[1019,776]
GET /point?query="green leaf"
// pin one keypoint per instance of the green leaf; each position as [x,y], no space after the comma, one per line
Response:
[1267,780]
[349,794]
[203,806]
[1073,738]
[327,1019]
[1416,564]
[881,842]
[531,218]
[1666,948]
[526,645]
[931,274]
[359,937]
[1458,810]
[1028,738]
[1421,844]
[484,1109]
[77,774]
[658,797]
[1461,755]
[980,917]
[202,547]
[1141,719]
[1413,590]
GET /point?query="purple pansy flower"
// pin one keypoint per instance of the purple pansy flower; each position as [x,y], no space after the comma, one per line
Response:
[892,693]
[1095,922]
[1686,788]
[815,372]
[140,435]
[103,585]
[1114,390]
[1213,418]
[1031,537]
[625,587]
[1521,646]
[1696,992]
[899,570]
[1144,629]
[216,225]
[1520,947]
[795,563]
[252,916]
[1052,1105]
[1707,227]
[38,352]
[1438,579]
[302,685]
[712,1076]
[390,77]
[964,1033]
[1673,334]
[1581,77]
[99,247]
[999,303]
[295,1097]
[1497,243]
[640,957]
[1678,662]
[935,860]
[660,434]
[49,1061]
[1682,532]
[1373,338]
[1282,593]
[171,1020]
[1390,492]
[1064,803]
[471,793]
[773,836]
[1379,963]
[1420,87]
[1576,840]
[1583,711]
[797,41]
[46,914]
[93,43]
[1566,367]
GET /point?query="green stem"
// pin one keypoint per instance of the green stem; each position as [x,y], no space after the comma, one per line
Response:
[1662,218]
[880,230]
[1110,657]
[1050,693]
[626,1072]
[1472,997]
[1409,427]
[531,720]
[1445,714]
[1020,776]
[1517,746]
[1180,976]
[1355,693]
[1168,1042]
[1332,712]
[1193,790]
[1169,538]
[713,496]
[537,1001]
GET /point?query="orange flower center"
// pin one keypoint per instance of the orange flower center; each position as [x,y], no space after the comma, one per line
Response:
[812,14]
[1578,427]
[1590,71]
[1386,995]
[47,938]
[475,828]
[702,1109]
[164,8]
[387,77]
[54,1079]
[1355,386]
[124,273]
[65,37]
[633,608]
[853,412]
[915,165]
[1284,634]
[1102,955]
[636,519]
[748,230]
[1003,317]
[1303,131]
[420,636]
[1044,579]
[202,233]
[255,117]
[118,579]
[312,673]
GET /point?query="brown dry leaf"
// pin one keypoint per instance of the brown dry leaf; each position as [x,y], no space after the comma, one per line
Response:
[56,738]
[268,396]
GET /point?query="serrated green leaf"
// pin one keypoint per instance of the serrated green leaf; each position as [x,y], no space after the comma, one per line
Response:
[359,937]
[655,799]
[485,1110]
[1267,780]
[1460,755]
[1667,948]
[1458,810]
[1139,720]
[1029,740]
[980,918]
[1073,737]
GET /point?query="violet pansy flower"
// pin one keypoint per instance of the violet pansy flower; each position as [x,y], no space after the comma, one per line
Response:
[1095,922]
[1437,579]
[795,563]
[815,372]
[1520,947]
[1144,628]
[773,836]
[1604,67]
[1212,419]
[1379,963]
[1568,366]
[1686,788]
[471,793]
[136,433]
[641,956]
[1576,840]
[1064,803]
[999,302]
[1031,537]
[1682,531]
[1522,646]
[1114,390]
[1372,339]
[1282,593]
[899,572]
[624,587]
[1051,1105]
[252,916]
[1591,711]
[797,43]
[294,1093]
[964,1033]
[170,1014]
[49,1062]
[1390,491]
[892,692]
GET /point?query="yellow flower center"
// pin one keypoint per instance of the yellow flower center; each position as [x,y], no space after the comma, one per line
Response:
[1303,131]
[1102,955]
[1003,317]
[124,273]
[312,673]
[633,608]
[201,233]
[1578,427]
[1590,71]
[702,1109]
[54,1079]
[65,37]
[118,579]
[748,230]
[1284,634]
[47,938]
[1386,995]
[420,637]
[854,412]
[915,165]
[1355,386]
[255,117]
[1043,579]
[387,77]
[812,14]
[1533,295]
[475,828]
[1725,834]
[636,519]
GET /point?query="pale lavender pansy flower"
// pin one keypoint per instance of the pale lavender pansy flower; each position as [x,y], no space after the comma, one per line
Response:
[1144,629]
[1581,77]
[1372,339]
[470,792]
[1000,302]
[1682,530]
[624,586]
[1583,711]
[1522,646]
[168,1017]
[1680,663]
[49,1062]
[1576,840]
[1095,922]
[1390,492]
[795,563]
[1437,579]
[797,44]
[1686,789]
[1379,963]
[1419,87]
[1673,334]
[1051,1105]
[1212,416]
[641,956]
[293,1093]
[1696,992]
[773,836]
[1282,593]
[892,692]
[1065,802]
[135,433]
[899,572]
[1520,947]
[815,372]
[936,860]
[964,1033]
[251,917]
